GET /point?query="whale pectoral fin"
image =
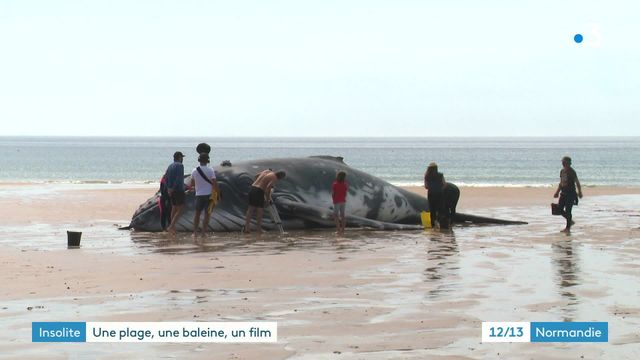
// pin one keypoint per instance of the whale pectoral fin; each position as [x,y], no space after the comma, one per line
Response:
[381,225]
[305,211]
[324,217]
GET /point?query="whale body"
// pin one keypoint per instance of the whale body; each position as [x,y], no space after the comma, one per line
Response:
[303,199]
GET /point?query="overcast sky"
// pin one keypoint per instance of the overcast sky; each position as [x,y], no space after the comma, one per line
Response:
[319,68]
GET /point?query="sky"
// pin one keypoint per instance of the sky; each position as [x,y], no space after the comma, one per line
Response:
[319,68]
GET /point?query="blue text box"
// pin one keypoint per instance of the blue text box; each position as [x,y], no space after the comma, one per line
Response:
[58,332]
[569,332]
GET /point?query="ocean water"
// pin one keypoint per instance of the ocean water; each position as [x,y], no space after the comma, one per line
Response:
[512,161]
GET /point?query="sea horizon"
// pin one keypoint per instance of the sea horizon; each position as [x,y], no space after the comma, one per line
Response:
[466,161]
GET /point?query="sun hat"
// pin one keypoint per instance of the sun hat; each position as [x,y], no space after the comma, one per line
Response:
[177,155]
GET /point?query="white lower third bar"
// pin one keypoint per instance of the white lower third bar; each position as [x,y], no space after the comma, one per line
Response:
[210,332]
[504,331]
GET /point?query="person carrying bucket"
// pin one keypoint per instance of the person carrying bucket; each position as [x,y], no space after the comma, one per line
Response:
[434,183]
[567,192]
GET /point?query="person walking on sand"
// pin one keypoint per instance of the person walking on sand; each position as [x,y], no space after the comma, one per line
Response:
[434,183]
[567,191]
[174,177]
[339,190]
[260,191]
[203,178]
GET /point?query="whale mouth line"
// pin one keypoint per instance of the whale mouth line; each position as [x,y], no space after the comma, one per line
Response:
[279,196]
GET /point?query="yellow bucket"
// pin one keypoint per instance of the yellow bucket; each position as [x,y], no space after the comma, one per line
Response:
[213,200]
[425,216]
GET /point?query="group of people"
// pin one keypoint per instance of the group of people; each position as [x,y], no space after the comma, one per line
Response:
[203,182]
[262,188]
[173,192]
[443,196]
[207,193]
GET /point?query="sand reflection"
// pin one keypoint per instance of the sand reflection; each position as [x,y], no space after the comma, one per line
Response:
[565,261]
[442,263]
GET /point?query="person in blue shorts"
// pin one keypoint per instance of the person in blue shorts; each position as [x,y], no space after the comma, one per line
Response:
[203,178]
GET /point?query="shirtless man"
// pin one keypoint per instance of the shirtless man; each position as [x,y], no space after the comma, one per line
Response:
[260,191]
[567,191]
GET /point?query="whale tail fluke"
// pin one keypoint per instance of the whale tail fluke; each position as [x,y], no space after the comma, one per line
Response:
[466,218]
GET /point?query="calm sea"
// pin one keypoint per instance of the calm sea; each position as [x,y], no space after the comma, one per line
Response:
[402,161]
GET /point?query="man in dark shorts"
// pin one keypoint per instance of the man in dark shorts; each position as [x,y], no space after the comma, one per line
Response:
[259,193]
[174,177]
[567,191]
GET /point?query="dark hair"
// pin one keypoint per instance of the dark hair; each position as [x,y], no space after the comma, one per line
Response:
[567,160]
[281,174]
[203,158]
[341,176]
[432,172]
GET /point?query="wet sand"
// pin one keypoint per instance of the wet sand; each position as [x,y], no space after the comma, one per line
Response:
[370,294]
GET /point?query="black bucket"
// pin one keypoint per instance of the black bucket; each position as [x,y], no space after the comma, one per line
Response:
[73,239]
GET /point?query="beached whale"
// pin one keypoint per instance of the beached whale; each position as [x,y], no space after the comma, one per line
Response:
[303,199]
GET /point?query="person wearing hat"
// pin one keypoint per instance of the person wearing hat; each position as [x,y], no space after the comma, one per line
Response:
[174,177]
[204,179]
[567,191]
[435,185]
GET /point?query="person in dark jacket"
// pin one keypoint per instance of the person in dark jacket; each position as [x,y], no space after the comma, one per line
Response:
[451,197]
[435,184]
[174,177]
[165,204]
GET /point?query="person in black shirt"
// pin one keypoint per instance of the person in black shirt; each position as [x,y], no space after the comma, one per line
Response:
[435,184]
[451,197]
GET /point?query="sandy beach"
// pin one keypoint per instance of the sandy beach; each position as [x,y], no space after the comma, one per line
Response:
[369,294]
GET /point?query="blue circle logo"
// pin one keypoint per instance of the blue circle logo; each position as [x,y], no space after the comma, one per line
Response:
[577,38]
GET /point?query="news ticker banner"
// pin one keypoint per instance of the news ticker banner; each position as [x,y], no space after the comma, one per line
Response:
[267,332]
[212,332]
[500,331]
